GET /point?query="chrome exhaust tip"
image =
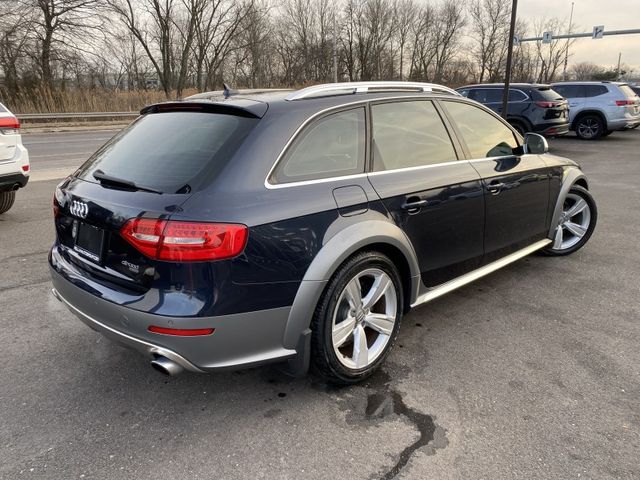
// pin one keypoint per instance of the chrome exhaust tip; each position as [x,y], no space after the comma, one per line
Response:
[166,366]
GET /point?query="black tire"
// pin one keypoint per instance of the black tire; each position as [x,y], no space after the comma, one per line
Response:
[324,360]
[6,200]
[583,193]
[589,127]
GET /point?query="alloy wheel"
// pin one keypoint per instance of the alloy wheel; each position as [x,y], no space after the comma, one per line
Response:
[364,318]
[589,128]
[574,222]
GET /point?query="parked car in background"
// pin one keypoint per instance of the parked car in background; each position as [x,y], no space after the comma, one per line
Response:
[299,227]
[14,159]
[532,107]
[599,108]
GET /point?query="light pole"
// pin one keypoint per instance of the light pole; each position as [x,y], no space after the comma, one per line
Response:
[507,79]
[566,52]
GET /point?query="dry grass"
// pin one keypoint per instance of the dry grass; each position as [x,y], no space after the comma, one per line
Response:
[45,100]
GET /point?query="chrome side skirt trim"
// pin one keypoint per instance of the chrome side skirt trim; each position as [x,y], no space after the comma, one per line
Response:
[476,274]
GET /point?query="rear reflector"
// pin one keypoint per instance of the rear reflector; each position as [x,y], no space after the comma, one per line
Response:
[25,168]
[185,241]
[181,332]
[622,103]
[9,123]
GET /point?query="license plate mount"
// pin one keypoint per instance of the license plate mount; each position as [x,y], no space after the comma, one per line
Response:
[89,242]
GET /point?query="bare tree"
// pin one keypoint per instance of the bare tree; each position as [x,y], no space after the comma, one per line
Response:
[490,30]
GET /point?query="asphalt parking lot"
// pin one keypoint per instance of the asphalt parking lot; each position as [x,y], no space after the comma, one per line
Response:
[530,373]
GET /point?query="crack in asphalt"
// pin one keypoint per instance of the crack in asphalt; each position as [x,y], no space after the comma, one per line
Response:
[28,284]
[425,425]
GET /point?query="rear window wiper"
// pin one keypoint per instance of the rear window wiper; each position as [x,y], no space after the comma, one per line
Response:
[108,180]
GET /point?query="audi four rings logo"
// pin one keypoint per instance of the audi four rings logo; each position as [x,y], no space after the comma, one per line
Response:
[79,209]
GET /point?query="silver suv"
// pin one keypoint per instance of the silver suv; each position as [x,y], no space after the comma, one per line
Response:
[596,109]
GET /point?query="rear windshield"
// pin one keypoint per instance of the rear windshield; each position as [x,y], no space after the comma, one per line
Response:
[172,152]
[627,91]
[548,93]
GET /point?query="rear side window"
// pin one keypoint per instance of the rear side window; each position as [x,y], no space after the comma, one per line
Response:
[547,93]
[570,91]
[171,151]
[627,91]
[333,146]
[487,95]
[517,96]
[409,134]
[595,90]
[484,135]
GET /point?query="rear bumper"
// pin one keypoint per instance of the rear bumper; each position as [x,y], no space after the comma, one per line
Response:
[553,129]
[624,123]
[12,181]
[238,341]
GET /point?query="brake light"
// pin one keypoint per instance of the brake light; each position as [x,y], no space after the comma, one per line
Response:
[9,125]
[181,332]
[622,103]
[185,241]
[549,104]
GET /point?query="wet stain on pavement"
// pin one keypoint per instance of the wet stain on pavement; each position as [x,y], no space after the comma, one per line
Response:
[382,403]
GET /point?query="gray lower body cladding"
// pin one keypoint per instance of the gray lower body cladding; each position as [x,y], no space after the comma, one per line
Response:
[238,341]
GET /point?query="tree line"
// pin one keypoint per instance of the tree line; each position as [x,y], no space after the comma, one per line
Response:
[176,45]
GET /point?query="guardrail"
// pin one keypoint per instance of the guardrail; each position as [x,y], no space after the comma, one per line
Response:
[79,116]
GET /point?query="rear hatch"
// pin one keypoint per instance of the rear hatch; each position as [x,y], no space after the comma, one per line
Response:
[555,105]
[147,171]
[8,134]
[630,102]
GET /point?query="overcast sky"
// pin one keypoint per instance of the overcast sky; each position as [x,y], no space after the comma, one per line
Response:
[613,14]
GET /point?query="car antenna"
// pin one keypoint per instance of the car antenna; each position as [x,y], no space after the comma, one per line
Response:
[228,91]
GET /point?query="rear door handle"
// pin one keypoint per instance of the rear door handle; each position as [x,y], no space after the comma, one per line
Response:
[414,205]
[495,188]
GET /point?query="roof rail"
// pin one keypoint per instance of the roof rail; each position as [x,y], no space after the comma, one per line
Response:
[348,88]
[249,91]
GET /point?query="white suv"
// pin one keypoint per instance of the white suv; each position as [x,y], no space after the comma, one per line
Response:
[14,159]
[596,109]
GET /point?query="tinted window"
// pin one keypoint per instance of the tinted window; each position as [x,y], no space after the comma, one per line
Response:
[485,135]
[409,134]
[595,90]
[487,95]
[2,109]
[172,150]
[517,96]
[570,91]
[547,93]
[464,92]
[331,147]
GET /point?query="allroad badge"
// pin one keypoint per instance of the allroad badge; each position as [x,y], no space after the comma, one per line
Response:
[79,209]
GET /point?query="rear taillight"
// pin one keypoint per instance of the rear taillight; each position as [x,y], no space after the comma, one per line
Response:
[9,125]
[622,103]
[549,104]
[185,241]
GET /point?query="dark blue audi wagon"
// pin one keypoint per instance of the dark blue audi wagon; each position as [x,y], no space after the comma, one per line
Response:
[297,227]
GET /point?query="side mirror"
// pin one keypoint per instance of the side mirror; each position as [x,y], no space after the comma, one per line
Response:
[536,144]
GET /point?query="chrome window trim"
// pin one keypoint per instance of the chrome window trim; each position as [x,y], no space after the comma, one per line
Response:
[354,104]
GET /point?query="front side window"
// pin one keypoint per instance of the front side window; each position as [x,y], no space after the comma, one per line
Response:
[487,95]
[485,135]
[333,146]
[409,134]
